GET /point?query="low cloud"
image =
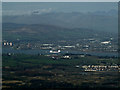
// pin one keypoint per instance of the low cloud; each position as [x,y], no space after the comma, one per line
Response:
[40,11]
[28,12]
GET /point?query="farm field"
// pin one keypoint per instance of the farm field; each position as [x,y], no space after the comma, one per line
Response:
[33,71]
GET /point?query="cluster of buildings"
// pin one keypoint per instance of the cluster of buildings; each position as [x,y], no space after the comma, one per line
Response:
[101,68]
[8,44]
[61,57]
[57,55]
[83,45]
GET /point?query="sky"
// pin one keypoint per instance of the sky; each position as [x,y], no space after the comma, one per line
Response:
[60,0]
[11,8]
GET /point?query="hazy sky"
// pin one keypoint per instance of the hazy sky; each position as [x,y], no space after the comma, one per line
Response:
[61,0]
[27,7]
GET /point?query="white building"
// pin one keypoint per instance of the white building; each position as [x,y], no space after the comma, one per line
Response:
[105,42]
[54,51]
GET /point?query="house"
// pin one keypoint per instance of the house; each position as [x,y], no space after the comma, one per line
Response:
[66,57]
[55,51]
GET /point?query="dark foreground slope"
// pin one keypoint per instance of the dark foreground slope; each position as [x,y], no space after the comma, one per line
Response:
[33,71]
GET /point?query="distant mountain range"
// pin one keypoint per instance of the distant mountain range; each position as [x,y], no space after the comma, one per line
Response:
[99,21]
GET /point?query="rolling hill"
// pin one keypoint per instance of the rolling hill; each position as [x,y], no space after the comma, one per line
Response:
[99,21]
[41,32]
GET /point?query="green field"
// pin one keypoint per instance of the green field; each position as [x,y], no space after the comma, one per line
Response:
[33,71]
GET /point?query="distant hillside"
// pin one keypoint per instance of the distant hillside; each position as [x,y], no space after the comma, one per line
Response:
[41,32]
[99,21]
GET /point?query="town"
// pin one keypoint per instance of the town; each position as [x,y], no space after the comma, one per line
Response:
[83,45]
